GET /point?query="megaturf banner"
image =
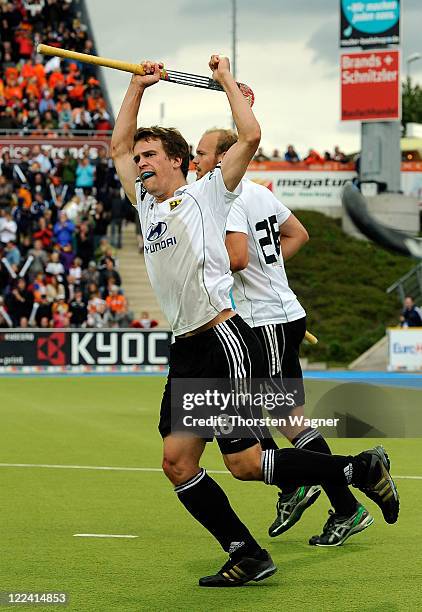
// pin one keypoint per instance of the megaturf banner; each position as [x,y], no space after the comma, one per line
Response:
[368,24]
[67,349]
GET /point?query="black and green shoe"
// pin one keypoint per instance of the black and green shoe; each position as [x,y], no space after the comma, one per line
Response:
[236,573]
[291,506]
[338,528]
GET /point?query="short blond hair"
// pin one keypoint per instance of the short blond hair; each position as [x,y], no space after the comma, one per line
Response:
[226,139]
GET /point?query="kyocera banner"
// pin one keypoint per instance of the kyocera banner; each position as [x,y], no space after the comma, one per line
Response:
[370,85]
[65,349]
[368,23]
[405,348]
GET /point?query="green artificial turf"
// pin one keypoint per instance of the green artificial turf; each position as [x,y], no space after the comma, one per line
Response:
[98,421]
[342,283]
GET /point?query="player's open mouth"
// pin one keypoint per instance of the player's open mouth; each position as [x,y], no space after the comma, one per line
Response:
[147,175]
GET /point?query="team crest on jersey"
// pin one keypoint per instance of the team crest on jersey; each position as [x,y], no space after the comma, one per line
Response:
[174,203]
[156,231]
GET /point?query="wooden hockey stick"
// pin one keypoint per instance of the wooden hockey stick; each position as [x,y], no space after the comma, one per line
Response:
[171,76]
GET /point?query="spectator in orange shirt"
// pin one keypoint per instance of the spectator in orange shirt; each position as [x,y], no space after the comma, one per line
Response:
[11,73]
[40,73]
[117,305]
[28,70]
[25,194]
[32,88]
[55,78]
[313,157]
[13,90]
[77,92]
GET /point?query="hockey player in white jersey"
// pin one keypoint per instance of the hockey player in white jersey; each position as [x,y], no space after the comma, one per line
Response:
[261,235]
[189,268]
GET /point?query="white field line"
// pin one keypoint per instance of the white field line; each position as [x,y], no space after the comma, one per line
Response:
[129,469]
[94,467]
[102,535]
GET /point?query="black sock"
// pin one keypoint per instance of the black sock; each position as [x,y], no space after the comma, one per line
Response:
[207,502]
[341,497]
[289,467]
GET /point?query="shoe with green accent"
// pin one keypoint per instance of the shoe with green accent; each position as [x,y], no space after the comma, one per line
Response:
[338,528]
[291,506]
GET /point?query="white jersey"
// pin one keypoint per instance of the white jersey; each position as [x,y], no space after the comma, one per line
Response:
[261,292]
[184,249]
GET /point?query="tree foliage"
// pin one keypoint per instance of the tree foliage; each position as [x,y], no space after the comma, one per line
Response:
[411,103]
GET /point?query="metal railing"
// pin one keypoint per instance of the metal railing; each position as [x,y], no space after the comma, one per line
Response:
[409,284]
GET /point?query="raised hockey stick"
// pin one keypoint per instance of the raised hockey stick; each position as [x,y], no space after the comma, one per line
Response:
[171,76]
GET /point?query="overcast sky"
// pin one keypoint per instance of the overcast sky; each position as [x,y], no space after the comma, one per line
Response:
[287,52]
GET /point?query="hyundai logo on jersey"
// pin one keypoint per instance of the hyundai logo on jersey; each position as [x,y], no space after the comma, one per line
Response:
[155,234]
[156,231]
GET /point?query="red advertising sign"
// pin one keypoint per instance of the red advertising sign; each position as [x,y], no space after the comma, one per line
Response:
[370,85]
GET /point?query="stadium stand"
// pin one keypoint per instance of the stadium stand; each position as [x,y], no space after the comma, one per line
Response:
[57,266]
[62,212]
[39,95]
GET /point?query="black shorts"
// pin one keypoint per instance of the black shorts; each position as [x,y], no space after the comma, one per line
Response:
[230,350]
[281,345]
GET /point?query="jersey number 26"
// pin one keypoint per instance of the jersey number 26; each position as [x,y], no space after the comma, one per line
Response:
[271,238]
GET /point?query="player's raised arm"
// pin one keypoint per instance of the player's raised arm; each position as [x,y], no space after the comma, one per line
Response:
[125,127]
[236,160]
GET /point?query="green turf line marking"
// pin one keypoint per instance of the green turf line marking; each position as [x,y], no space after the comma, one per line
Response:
[94,467]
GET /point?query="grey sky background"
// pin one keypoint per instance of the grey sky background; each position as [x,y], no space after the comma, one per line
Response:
[287,52]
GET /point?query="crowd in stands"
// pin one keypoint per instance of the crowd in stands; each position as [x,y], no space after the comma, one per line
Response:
[61,219]
[58,268]
[43,95]
[313,157]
